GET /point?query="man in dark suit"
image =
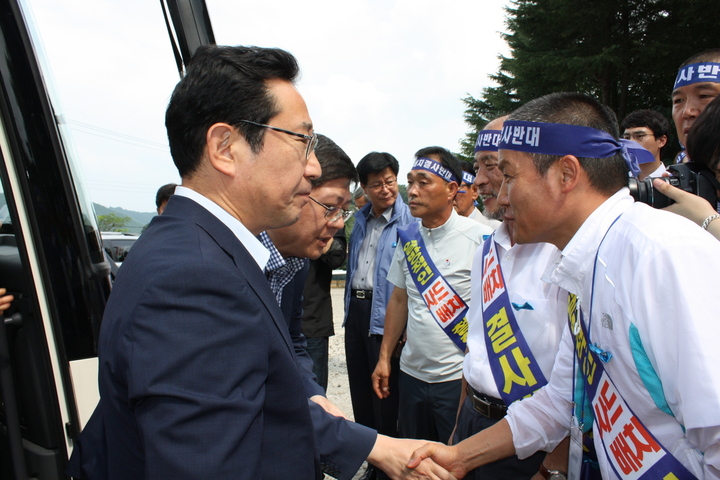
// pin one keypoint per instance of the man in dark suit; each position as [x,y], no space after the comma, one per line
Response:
[198,377]
[341,444]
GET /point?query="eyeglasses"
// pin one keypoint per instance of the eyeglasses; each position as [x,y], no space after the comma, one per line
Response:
[333,214]
[637,136]
[379,185]
[464,187]
[312,140]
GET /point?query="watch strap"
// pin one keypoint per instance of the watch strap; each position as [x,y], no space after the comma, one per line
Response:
[552,474]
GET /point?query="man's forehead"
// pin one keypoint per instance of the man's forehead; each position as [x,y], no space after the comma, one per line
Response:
[384,174]
[485,155]
[695,87]
[420,174]
[511,157]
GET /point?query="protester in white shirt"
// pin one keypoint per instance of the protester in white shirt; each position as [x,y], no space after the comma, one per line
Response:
[639,281]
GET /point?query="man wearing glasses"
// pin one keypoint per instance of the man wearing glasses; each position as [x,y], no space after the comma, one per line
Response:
[342,445]
[651,130]
[197,374]
[372,244]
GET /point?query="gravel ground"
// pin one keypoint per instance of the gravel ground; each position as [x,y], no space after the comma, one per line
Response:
[338,390]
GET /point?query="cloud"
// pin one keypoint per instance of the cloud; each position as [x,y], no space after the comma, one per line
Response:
[377,75]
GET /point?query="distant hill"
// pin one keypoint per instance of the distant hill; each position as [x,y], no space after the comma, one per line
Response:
[138,219]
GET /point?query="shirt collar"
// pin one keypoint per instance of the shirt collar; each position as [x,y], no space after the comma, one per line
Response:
[387,213]
[252,244]
[279,271]
[439,232]
[570,266]
[502,237]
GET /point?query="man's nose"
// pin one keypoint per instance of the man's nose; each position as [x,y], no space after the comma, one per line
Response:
[502,195]
[313,169]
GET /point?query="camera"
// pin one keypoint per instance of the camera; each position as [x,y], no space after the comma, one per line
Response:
[692,177]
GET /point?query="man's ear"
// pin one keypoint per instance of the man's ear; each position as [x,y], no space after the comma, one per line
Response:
[452,189]
[569,172]
[663,141]
[221,148]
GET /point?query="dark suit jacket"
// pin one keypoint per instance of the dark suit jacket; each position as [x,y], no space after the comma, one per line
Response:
[343,445]
[317,309]
[198,377]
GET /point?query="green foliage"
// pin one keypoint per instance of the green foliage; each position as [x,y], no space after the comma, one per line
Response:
[624,52]
[112,223]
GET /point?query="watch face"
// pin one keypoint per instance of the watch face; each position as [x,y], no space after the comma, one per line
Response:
[557,476]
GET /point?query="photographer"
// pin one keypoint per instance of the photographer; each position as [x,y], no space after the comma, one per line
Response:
[703,146]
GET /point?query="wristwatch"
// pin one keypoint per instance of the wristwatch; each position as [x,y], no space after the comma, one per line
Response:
[552,474]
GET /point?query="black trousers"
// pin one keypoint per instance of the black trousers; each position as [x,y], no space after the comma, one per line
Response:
[428,410]
[471,422]
[361,353]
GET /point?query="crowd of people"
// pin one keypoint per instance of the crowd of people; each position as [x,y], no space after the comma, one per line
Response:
[564,331]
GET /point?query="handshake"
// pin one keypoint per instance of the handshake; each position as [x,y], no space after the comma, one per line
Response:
[405,459]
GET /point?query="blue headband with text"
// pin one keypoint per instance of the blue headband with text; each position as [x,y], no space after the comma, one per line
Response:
[561,139]
[697,73]
[468,178]
[430,165]
[487,140]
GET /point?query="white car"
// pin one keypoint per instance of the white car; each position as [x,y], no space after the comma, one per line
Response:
[118,244]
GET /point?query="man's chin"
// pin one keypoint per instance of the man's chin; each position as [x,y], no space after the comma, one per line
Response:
[496,214]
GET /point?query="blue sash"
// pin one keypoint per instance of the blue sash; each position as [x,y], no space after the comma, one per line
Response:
[633,452]
[447,307]
[513,365]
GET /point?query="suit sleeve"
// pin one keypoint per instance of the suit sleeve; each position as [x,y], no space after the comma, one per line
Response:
[292,308]
[198,361]
[343,445]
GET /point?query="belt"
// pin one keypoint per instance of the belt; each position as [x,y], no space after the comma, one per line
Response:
[362,294]
[489,407]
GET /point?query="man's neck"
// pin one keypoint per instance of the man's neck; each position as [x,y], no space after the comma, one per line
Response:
[436,220]
[377,213]
[467,212]
[648,168]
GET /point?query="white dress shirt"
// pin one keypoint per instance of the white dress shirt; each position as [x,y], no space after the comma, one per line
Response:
[657,273]
[541,324]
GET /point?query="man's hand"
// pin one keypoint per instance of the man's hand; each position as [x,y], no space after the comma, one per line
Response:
[443,455]
[391,455]
[328,406]
[5,300]
[381,379]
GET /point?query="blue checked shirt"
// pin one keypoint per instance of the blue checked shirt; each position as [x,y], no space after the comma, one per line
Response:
[279,271]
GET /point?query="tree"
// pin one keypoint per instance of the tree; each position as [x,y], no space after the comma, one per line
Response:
[112,222]
[623,52]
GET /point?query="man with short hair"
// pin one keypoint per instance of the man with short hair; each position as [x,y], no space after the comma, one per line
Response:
[197,374]
[431,274]
[697,84]
[508,273]
[651,130]
[343,445]
[466,197]
[486,171]
[359,198]
[373,241]
[641,331]
[163,195]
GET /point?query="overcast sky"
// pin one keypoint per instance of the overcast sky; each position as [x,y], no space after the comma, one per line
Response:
[376,75]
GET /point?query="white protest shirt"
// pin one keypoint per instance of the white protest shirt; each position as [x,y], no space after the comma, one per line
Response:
[429,354]
[656,278]
[538,308]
